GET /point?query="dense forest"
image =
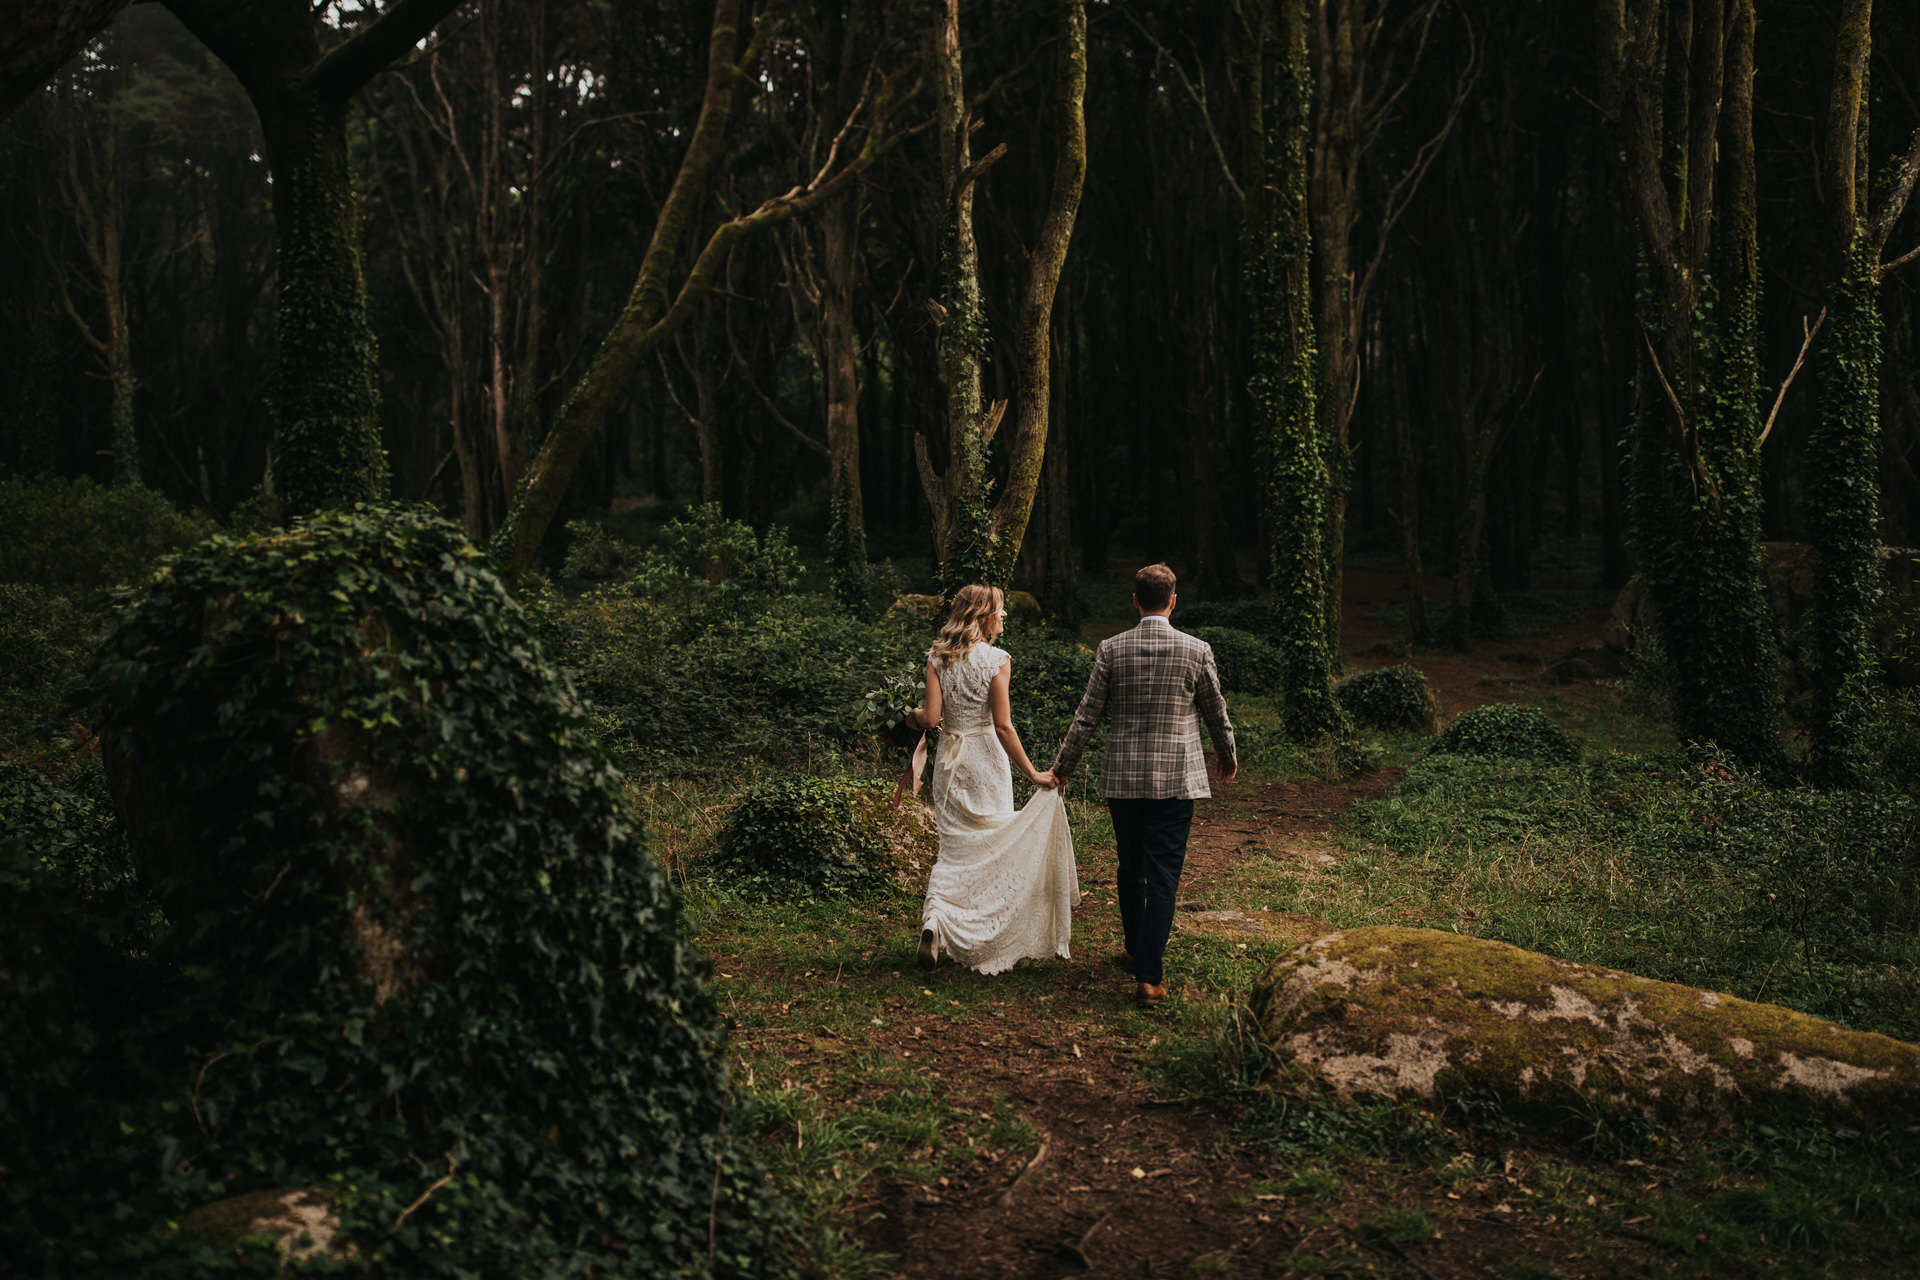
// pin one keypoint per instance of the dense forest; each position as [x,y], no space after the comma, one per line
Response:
[568,419]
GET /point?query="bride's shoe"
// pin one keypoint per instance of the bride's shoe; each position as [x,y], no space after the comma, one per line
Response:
[926,957]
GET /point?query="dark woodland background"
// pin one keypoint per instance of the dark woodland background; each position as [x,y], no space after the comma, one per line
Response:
[510,173]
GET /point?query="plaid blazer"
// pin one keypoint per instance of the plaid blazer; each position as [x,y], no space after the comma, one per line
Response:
[1153,679]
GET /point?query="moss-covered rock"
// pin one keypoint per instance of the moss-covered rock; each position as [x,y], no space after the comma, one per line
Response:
[1435,1015]
[412,932]
[298,1224]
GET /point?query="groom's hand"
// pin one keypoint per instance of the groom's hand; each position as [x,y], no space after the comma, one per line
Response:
[1229,771]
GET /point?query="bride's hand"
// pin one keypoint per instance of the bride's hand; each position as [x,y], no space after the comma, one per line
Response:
[1046,779]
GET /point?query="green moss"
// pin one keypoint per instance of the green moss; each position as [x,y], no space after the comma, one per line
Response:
[1437,1015]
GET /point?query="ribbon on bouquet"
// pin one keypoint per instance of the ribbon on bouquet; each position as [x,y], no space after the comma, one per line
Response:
[911,774]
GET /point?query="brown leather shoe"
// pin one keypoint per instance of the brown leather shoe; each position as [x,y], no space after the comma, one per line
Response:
[926,957]
[1148,996]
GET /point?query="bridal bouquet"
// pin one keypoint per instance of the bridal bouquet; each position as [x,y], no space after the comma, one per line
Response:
[885,709]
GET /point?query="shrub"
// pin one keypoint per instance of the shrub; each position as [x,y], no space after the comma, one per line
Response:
[1255,617]
[63,825]
[74,536]
[1050,673]
[412,929]
[1247,663]
[1392,699]
[714,570]
[47,641]
[1507,731]
[823,838]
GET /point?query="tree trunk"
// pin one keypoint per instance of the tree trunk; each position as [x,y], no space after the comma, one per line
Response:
[1286,374]
[654,313]
[1843,450]
[978,539]
[1682,83]
[326,391]
[838,349]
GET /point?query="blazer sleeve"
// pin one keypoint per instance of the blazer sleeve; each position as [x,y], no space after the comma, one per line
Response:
[1212,705]
[1092,705]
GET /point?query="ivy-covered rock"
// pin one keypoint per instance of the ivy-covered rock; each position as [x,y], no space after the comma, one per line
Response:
[1392,699]
[421,961]
[824,838]
[1437,1016]
[1247,664]
[1507,731]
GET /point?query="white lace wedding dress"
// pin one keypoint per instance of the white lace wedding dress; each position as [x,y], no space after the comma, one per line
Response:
[1004,887]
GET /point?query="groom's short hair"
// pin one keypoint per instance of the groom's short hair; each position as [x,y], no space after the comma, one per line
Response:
[1153,587]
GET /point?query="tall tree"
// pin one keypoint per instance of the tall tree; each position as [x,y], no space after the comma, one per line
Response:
[1677,83]
[1286,374]
[1843,450]
[326,386]
[977,535]
[655,311]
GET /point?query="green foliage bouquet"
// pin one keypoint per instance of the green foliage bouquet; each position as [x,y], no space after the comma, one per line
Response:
[883,711]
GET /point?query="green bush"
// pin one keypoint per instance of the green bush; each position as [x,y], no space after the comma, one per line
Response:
[413,940]
[713,570]
[1255,617]
[1247,664]
[63,825]
[48,641]
[1050,673]
[1507,731]
[75,536]
[806,837]
[1392,699]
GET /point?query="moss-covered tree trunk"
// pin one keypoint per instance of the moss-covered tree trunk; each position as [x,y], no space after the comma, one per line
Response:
[1286,374]
[1680,82]
[326,381]
[838,349]
[1843,449]
[978,537]
[326,395]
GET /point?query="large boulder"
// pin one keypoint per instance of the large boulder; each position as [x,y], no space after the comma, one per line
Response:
[1431,1015]
[418,954]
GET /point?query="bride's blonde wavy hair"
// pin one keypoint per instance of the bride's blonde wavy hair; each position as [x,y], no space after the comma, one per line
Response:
[974,607]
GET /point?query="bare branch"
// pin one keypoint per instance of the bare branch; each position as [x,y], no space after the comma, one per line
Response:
[1206,116]
[975,170]
[1798,360]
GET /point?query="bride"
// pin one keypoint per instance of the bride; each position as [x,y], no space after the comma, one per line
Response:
[1004,886]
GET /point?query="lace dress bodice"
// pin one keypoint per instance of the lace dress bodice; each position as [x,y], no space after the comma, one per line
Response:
[972,777]
[1005,883]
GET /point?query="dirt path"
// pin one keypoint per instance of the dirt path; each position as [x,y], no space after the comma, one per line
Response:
[1128,1182]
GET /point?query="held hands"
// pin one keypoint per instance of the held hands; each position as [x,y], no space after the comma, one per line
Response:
[1044,779]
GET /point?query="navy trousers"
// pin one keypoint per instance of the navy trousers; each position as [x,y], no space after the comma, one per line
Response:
[1152,840]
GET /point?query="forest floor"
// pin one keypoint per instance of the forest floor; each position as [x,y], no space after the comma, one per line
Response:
[945,1124]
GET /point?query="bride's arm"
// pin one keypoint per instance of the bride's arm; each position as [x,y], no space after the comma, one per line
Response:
[1000,703]
[928,717]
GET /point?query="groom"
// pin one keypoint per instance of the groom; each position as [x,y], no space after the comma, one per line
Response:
[1153,679]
